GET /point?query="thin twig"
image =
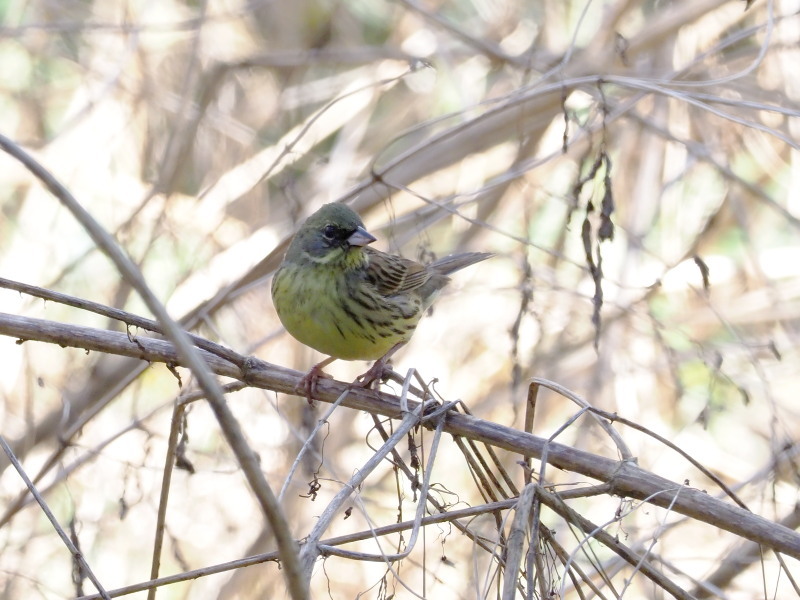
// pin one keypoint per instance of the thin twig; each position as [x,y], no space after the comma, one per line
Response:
[516,541]
[166,479]
[76,554]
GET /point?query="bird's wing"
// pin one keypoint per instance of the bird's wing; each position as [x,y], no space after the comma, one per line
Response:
[393,274]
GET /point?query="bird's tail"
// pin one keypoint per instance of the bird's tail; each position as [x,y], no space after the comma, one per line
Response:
[455,262]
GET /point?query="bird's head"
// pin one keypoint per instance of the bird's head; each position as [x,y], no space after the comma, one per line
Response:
[334,233]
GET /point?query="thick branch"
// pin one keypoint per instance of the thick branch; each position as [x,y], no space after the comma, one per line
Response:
[625,477]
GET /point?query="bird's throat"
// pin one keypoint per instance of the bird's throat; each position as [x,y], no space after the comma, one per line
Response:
[341,258]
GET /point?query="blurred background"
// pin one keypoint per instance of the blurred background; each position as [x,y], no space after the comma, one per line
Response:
[633,165]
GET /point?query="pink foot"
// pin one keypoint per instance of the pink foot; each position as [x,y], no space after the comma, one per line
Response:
[375,373]
[309,381]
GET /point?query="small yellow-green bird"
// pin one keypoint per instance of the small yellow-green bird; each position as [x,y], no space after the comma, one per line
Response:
[349,301]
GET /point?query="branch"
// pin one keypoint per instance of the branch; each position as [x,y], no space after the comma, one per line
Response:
[624,478]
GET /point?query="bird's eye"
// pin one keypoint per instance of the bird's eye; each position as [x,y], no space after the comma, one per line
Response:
[329,232]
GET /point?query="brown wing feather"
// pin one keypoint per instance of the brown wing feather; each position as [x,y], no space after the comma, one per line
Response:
[396,276]
[393,275]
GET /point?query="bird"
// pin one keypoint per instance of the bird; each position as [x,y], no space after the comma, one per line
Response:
[336,294]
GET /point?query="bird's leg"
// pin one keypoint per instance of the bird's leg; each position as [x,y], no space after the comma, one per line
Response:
[377,370]
[309,381]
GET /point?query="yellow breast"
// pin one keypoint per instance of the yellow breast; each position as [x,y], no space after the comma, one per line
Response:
[321,309]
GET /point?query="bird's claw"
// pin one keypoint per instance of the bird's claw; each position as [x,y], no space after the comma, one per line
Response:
[377,372]
[308,384]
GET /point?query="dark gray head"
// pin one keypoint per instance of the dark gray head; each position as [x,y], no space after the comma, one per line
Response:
[329,234]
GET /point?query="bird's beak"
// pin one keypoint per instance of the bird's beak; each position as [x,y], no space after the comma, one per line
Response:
[361,237]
